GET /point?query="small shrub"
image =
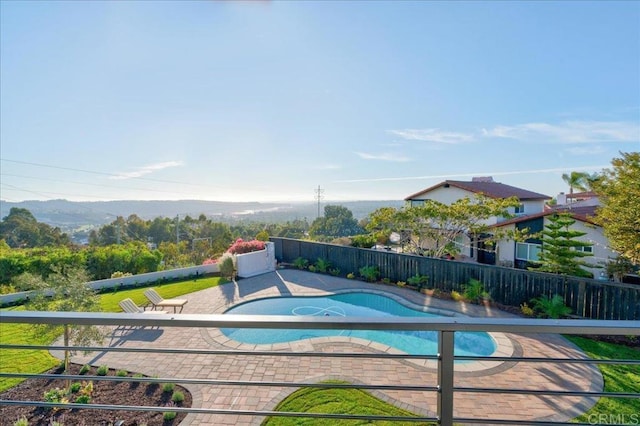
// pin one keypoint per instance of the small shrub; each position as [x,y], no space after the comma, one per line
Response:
[85,369]
[312,268]
[369,273]
[22,421]
[83,399]
[322,265]
[474,291]
[177,397]
[351,275]
[386,280]
[227,266]
[75,387]
[121,373]
[401,283]
[301,263]
[56,395]
[456,296]
[168,387]
[102,370]
[526,310]
[167,416]
[334,271]
[418,280]
[138,375]
[118,274]
[551,307]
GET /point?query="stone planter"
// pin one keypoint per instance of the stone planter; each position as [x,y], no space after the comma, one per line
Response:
[256,262]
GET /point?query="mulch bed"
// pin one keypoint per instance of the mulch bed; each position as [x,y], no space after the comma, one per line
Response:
[104,392]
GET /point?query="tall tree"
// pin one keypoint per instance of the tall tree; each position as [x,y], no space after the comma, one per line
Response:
[21,229]
[436,226]
[562,251]
[619,214]
[576,180]
[338,221]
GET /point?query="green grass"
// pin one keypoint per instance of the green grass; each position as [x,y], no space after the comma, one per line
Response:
[36,361]
[336,401]
[617,378]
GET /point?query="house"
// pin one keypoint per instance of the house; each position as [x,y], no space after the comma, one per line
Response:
[450,191]
[522,254]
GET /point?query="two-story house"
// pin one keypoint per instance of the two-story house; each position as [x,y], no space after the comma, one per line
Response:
[450,191]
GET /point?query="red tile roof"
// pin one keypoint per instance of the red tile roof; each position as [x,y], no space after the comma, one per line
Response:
[488,189]
[583,214]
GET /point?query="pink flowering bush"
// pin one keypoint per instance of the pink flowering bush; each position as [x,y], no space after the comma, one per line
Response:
[240,246]
[210,261]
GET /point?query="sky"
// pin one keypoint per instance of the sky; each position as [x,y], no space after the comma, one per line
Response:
[273,101]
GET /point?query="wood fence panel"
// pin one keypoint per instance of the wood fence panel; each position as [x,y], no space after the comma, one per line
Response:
[586,297]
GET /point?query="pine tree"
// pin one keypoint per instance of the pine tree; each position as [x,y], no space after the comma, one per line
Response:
[561,252]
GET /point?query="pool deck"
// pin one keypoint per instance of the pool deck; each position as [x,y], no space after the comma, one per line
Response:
[287,282]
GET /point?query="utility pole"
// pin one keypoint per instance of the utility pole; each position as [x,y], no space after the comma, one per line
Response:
[319,197]
[177,229]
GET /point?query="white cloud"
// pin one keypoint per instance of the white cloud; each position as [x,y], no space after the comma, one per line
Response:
[433,135]
[383,157]
[145,170]
[569,132]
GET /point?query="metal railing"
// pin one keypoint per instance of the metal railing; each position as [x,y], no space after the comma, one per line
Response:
[445,387]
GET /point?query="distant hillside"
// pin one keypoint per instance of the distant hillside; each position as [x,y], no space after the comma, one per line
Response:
[72,215]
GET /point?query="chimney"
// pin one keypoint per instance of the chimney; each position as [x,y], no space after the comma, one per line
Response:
[561,199]
[482,179]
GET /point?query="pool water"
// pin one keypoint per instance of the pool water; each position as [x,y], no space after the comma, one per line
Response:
[356,304]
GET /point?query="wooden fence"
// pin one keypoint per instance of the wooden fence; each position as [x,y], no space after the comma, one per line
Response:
[587,298]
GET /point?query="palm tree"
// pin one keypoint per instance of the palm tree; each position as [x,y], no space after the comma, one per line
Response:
[577,180]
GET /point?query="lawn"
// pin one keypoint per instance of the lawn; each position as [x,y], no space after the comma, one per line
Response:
[37,361]
[337,401]
[617,378]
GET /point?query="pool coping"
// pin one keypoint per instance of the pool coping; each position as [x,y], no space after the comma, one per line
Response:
[504,345]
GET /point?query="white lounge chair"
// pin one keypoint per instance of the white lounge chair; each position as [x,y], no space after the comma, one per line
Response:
[157,301]
[130,307]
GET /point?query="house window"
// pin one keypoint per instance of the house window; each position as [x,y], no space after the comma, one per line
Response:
[520,209]
[584,249]
[528,251]
[417,203]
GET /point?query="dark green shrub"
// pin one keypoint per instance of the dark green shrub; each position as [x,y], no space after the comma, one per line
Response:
[418,280]
[553,307]
[85,369]
[474,291]
[83,399]
[75,387]
[177,397]
[369,273]
[301,263]
[102,370]
[322,265]
[168,387]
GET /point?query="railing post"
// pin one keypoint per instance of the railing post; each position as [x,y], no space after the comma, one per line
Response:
[445,378]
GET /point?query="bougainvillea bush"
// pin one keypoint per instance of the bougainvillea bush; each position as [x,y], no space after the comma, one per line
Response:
[241,246]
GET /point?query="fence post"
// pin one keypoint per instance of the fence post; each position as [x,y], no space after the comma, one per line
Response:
[445,378]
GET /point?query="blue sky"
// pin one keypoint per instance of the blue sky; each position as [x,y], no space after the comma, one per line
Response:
[265,101]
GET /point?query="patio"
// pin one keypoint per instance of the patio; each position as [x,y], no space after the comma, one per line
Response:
[518,375]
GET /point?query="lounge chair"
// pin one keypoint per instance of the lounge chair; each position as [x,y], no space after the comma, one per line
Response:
[157,301]
[130,307]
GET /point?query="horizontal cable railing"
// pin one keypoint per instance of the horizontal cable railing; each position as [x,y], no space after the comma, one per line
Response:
[445,360]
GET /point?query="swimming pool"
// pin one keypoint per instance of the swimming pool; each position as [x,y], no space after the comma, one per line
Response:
[353,304]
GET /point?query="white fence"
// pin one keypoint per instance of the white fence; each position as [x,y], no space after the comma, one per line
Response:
[130,280]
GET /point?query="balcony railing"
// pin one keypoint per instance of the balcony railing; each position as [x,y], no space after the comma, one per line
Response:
[445,360]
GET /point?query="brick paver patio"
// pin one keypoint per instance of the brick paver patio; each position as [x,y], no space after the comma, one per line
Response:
[375,371]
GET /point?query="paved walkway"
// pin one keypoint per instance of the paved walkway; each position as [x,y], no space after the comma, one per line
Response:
[376,371]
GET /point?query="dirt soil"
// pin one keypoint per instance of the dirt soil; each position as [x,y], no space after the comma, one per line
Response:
[104,392]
